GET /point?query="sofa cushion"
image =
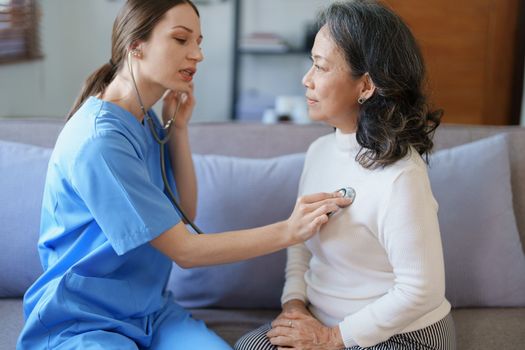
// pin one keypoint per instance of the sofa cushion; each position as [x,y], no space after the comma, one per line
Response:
[484,261]
[483,258]
[238,193]
[22,168]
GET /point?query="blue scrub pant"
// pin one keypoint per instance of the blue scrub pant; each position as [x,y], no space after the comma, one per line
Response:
[175,329]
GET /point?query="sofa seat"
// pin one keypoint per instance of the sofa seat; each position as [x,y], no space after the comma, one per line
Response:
[477,328]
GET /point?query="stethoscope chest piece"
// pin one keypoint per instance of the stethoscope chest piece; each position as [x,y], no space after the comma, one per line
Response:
[348,192]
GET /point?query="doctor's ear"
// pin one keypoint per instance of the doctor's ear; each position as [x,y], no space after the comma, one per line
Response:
[136,50]
[137,53]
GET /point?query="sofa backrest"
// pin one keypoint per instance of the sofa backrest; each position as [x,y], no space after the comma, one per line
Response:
[272,140]
[277,139]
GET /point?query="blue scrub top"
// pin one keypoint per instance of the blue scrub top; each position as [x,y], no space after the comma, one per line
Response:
[103,202]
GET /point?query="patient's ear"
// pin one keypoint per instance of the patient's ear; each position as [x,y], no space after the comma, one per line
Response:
[368,88]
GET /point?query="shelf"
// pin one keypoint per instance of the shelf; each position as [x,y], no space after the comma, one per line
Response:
[246,48]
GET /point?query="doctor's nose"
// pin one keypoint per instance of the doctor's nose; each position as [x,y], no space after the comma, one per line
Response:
[196,55]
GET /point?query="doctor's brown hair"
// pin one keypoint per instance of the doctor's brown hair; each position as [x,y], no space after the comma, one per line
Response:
[135,21]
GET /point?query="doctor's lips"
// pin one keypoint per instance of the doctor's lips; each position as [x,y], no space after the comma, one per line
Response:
[187,74]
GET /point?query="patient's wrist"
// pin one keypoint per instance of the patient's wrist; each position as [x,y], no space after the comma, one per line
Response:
[295,305]
[336,339]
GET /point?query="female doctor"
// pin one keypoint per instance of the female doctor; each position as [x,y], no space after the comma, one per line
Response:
[109,232]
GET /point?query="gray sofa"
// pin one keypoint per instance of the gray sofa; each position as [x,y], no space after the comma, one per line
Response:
[478,327]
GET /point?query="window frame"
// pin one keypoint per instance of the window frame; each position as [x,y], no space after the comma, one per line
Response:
[19,31]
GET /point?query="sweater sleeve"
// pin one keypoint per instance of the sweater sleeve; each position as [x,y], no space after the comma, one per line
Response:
[408,229]
[298,259]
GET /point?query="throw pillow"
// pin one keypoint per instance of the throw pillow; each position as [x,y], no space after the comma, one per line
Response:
[484,260]
[238,193]
[23,171]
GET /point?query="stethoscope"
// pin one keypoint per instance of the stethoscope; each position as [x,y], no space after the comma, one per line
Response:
[162,142]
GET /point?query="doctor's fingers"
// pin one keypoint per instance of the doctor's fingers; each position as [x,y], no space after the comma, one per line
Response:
[307,226]
[318,218]
[316,197]
[337,202]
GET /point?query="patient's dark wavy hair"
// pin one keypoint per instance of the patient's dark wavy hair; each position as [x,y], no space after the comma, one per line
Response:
[376,41]
[135,21]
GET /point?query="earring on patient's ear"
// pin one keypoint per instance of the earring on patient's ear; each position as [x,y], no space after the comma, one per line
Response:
[361,100]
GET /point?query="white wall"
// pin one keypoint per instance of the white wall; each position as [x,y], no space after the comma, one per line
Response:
[263,77]
[213,80]
[76,40]
[278,74]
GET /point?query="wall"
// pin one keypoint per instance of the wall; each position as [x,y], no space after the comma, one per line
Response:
[263,77]
[277,74]
[76,40]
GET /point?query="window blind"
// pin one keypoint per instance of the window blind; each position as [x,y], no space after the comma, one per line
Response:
[19,30]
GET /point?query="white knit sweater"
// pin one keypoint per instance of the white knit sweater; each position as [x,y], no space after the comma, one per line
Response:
[376,268]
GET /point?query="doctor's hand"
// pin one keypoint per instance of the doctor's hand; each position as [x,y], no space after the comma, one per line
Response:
[310,213]
[187,103]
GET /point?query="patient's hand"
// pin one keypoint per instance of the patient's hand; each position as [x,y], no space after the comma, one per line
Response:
[297,330]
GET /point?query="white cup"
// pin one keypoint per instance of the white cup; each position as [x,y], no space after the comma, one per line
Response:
[292,106]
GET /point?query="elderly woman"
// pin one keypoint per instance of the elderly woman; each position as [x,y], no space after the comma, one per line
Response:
[374,276]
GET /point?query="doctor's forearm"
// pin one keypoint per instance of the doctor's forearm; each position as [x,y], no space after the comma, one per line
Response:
[184,171]
[190,250]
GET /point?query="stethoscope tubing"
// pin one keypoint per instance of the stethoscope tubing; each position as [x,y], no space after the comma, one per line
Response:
[162,142]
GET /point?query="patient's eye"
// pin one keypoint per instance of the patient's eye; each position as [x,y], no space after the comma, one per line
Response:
[316,64]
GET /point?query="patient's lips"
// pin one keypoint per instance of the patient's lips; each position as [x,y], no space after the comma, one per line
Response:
[311,101]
